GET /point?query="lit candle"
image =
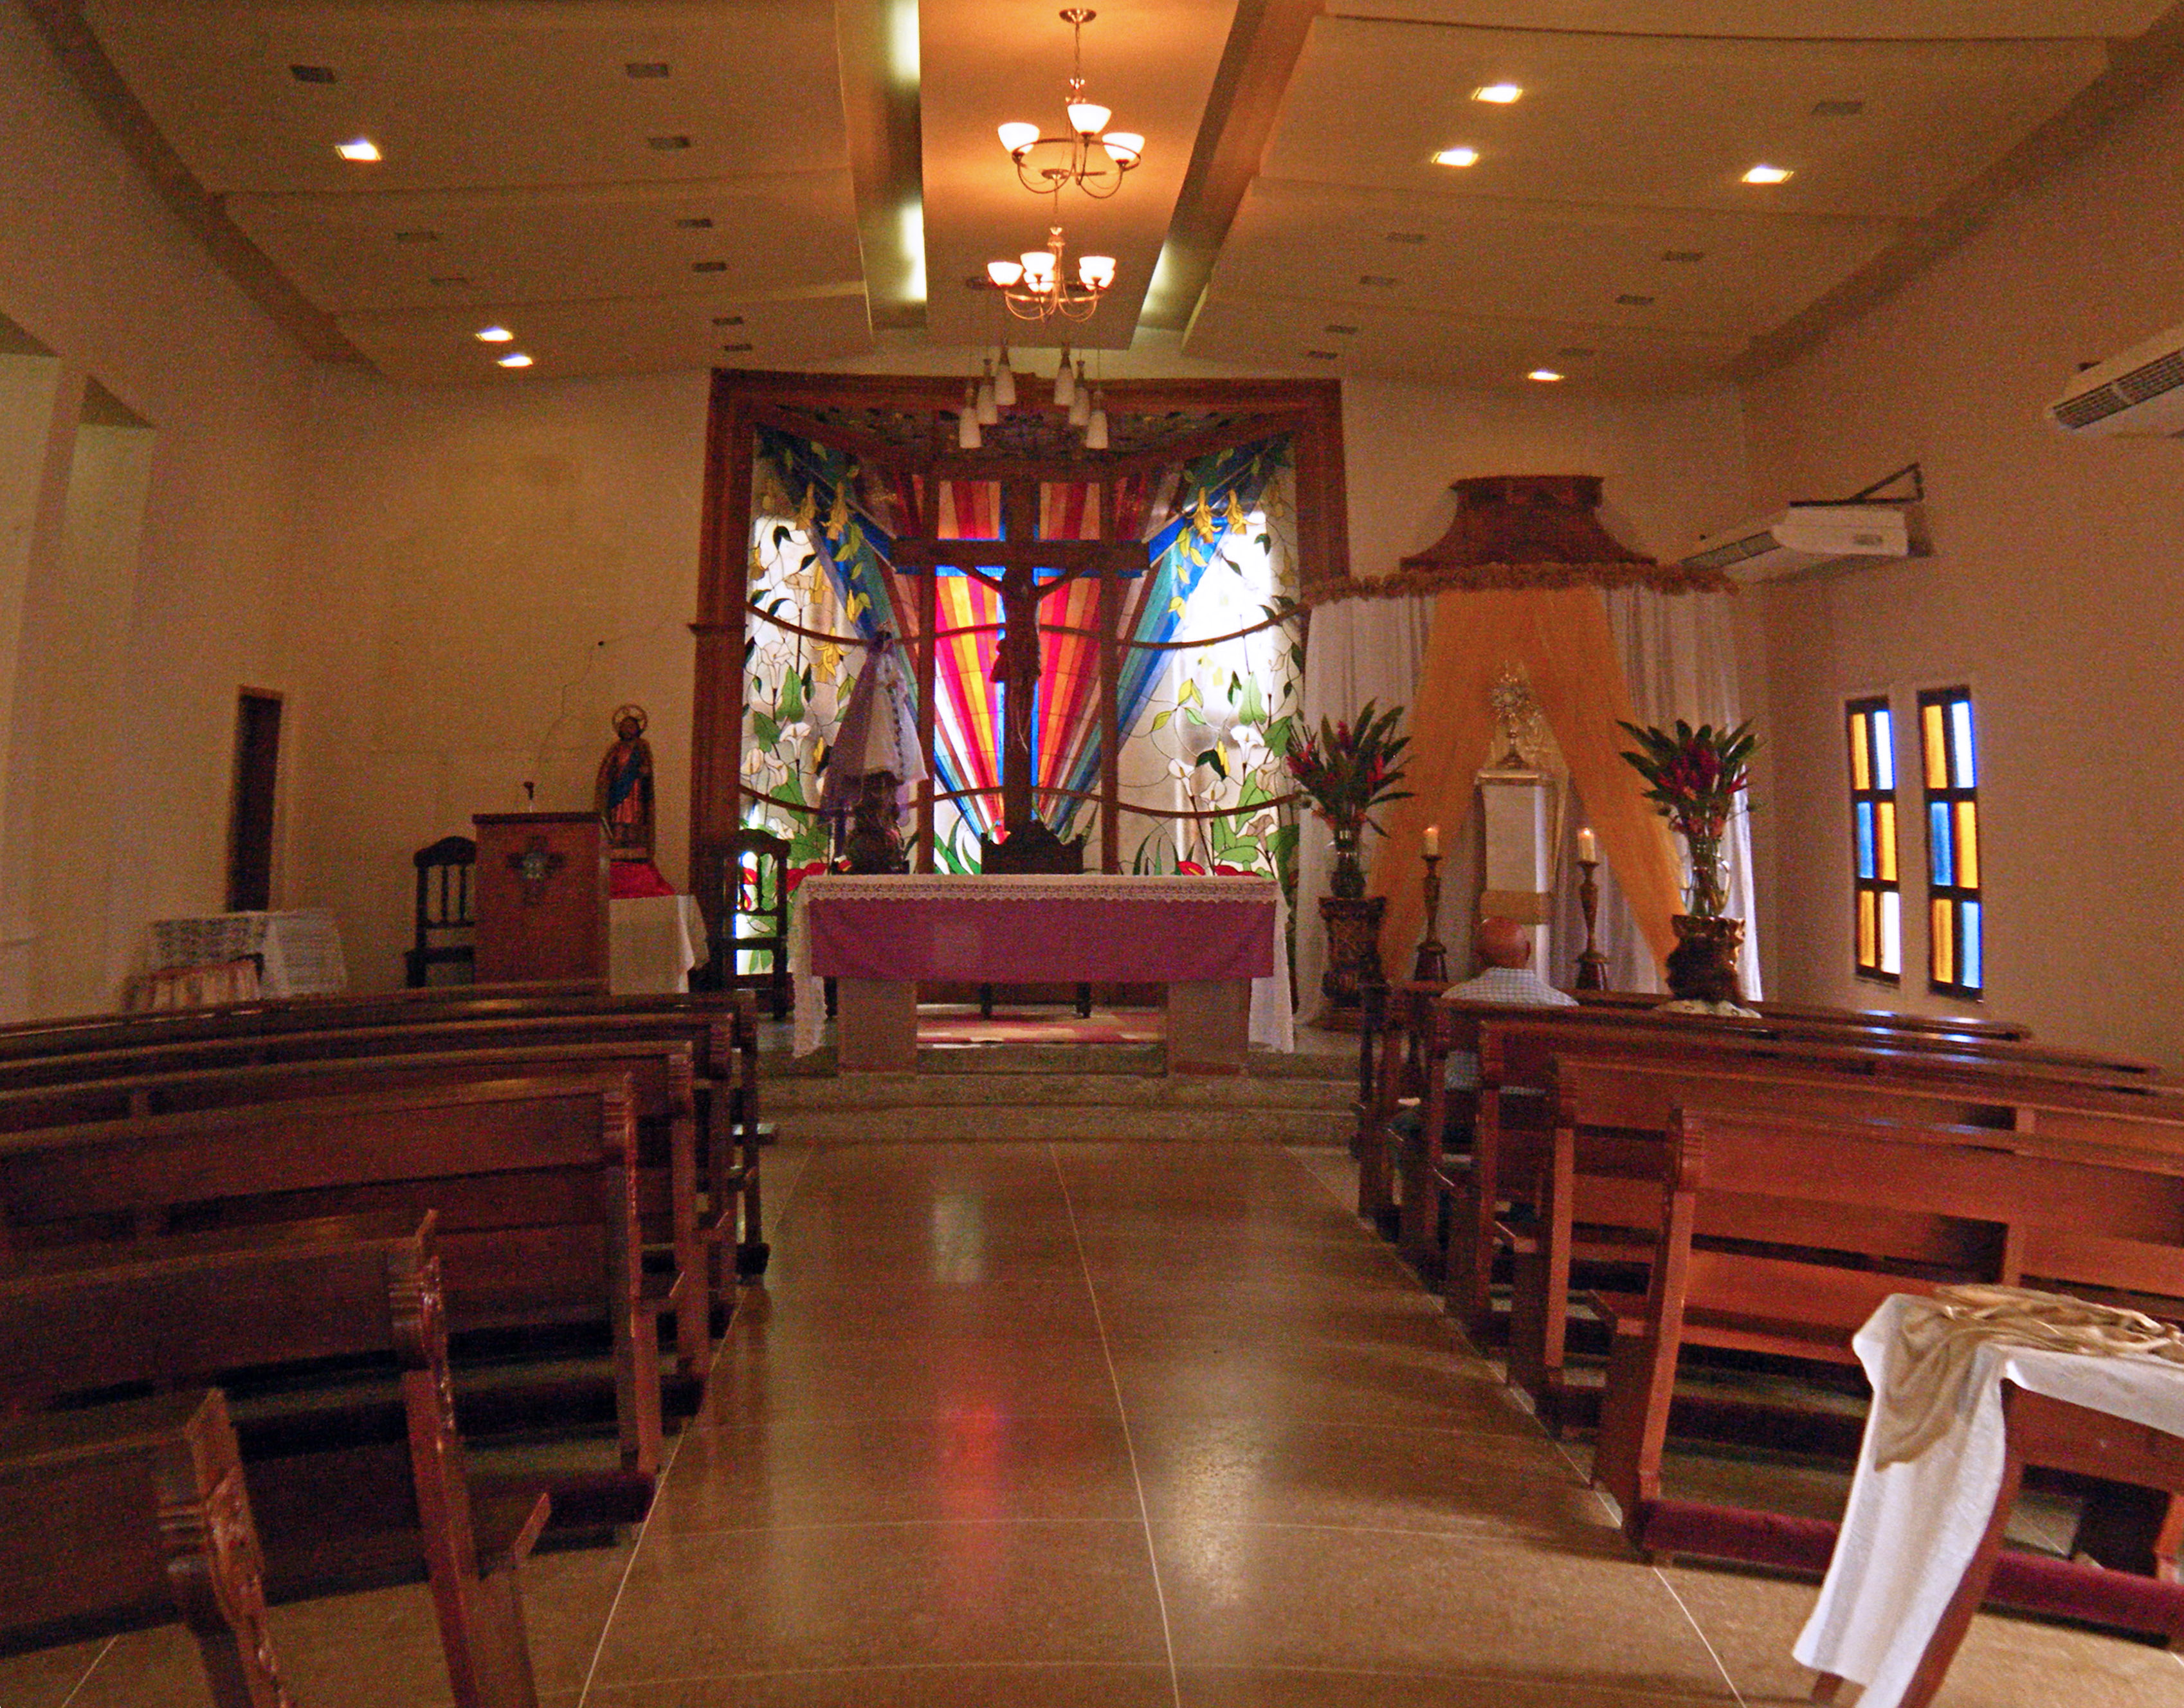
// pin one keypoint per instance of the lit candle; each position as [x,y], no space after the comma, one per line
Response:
[1587,849]
[1432,839]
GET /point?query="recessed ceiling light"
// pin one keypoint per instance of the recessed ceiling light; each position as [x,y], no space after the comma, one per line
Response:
[451,280]
[698,222]
[1769,175]
[1837,110]
[709,266]
[667,145]
[312,74]
[1406,236]
[515,359]
[1339,331]
[1631,300]
[358,148]
[646,68]
[1544,376]
[1457,157]
[493,335]
[1379,280]
[735,349]
[727,320]
[1576,350]
[1683,257]
[1323,355]
[1499,94]
[416,237]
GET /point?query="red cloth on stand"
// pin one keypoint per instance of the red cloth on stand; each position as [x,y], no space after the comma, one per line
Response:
[628,879]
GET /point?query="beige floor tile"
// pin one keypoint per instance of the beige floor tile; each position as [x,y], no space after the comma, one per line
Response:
[1313,1381]
[1501,1488]
[1258,1687]
[901,1687]
[885,1595]
[1581,1614]
[973,1466]
[44,1678]
[910,1377]
[849,1255]
[869,1308]
[2006,1662]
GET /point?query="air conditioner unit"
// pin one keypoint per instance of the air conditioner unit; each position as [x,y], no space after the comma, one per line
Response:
[1804,536]
[2137,394]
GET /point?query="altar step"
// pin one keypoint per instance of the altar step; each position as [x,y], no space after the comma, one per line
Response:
[1057,1092]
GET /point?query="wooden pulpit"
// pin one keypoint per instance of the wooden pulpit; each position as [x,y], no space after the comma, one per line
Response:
[541,896]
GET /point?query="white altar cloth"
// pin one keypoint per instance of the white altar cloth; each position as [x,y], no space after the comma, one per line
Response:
[653,942]
[1273,1022]
[1911,1528]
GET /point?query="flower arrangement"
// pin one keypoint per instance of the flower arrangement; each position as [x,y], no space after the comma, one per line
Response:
[1693,777]
[1345,772]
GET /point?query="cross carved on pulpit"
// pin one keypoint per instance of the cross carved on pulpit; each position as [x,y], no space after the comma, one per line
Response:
[534,867]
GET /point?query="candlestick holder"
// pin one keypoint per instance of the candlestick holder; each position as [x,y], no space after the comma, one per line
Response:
[1592,965]
[1431,966]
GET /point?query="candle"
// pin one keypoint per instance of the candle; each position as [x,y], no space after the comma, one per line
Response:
[1432,839]
[1587,849]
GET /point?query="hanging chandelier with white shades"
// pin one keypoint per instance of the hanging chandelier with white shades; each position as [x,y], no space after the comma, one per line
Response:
[1037,286]
[1090,157]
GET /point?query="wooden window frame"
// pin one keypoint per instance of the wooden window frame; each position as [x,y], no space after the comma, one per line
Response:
[1961,802]
[1887,839]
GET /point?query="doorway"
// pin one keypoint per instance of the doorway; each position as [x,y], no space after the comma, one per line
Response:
[250,815]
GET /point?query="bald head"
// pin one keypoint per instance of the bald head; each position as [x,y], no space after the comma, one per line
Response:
[1502,942]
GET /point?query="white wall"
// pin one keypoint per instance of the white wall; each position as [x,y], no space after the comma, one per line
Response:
[116,804]
[2054,592]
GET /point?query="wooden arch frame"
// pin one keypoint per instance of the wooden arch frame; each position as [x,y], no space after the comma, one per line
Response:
[743,401]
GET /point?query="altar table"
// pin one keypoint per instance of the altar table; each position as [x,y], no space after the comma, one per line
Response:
[1910,1528]
[1217,943]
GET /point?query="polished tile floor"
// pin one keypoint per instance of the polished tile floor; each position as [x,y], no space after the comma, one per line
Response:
[1105,1425]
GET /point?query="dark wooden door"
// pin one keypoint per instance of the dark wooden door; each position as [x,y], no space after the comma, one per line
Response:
[250,816]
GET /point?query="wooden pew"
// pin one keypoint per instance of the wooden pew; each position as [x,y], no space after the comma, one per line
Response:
[1965,1025]
[660,1076]
[135,1515]
[1820,1236]
[345,1512]
[723,1042]
[1391,1034]
[534,1182]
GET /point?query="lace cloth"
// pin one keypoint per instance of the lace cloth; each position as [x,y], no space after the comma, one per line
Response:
[1912,1524]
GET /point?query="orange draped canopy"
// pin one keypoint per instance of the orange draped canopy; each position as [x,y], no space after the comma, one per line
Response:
[1562,640]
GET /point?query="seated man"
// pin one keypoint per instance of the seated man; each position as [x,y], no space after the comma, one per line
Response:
[1505,978]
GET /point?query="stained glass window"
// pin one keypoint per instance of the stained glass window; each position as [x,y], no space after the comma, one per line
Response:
[1877,900]
[1956,932]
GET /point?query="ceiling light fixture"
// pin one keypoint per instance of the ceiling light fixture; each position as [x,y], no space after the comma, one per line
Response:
[358,148]
[1090,157]
[1457,157]
[1037,284]
[1499,94]
[312,74]
[1545,376]
[515,359]
[1769,174]
[493,335]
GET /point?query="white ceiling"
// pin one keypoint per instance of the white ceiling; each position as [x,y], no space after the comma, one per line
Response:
[649,185]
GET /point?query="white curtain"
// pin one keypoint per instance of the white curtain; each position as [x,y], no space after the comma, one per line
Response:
[1360,650]
[1681,662]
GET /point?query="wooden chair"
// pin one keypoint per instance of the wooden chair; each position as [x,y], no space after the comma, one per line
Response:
[131,1515]
[443,920]
[759,859]
[2054,1434]
[341,1500]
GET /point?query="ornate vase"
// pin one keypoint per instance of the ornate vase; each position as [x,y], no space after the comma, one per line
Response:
[1353,957]
[1702,965]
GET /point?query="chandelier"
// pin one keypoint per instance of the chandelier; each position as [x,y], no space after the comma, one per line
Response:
[1091,157]
[1037,286]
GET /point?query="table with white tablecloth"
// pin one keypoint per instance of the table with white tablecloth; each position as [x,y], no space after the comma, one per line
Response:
[298,949]
[653,942]
[1218,944]
[1911,1528]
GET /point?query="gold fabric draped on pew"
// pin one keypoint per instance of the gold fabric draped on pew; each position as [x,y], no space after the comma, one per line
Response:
[1562,639]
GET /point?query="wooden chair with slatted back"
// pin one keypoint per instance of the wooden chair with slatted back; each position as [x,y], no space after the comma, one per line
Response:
[444,924]
[745,877]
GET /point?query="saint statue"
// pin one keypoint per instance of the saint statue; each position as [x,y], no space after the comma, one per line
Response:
[623,795]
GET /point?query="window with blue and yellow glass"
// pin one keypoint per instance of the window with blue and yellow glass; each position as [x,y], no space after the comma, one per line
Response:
[1956,927]
[1877,900]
